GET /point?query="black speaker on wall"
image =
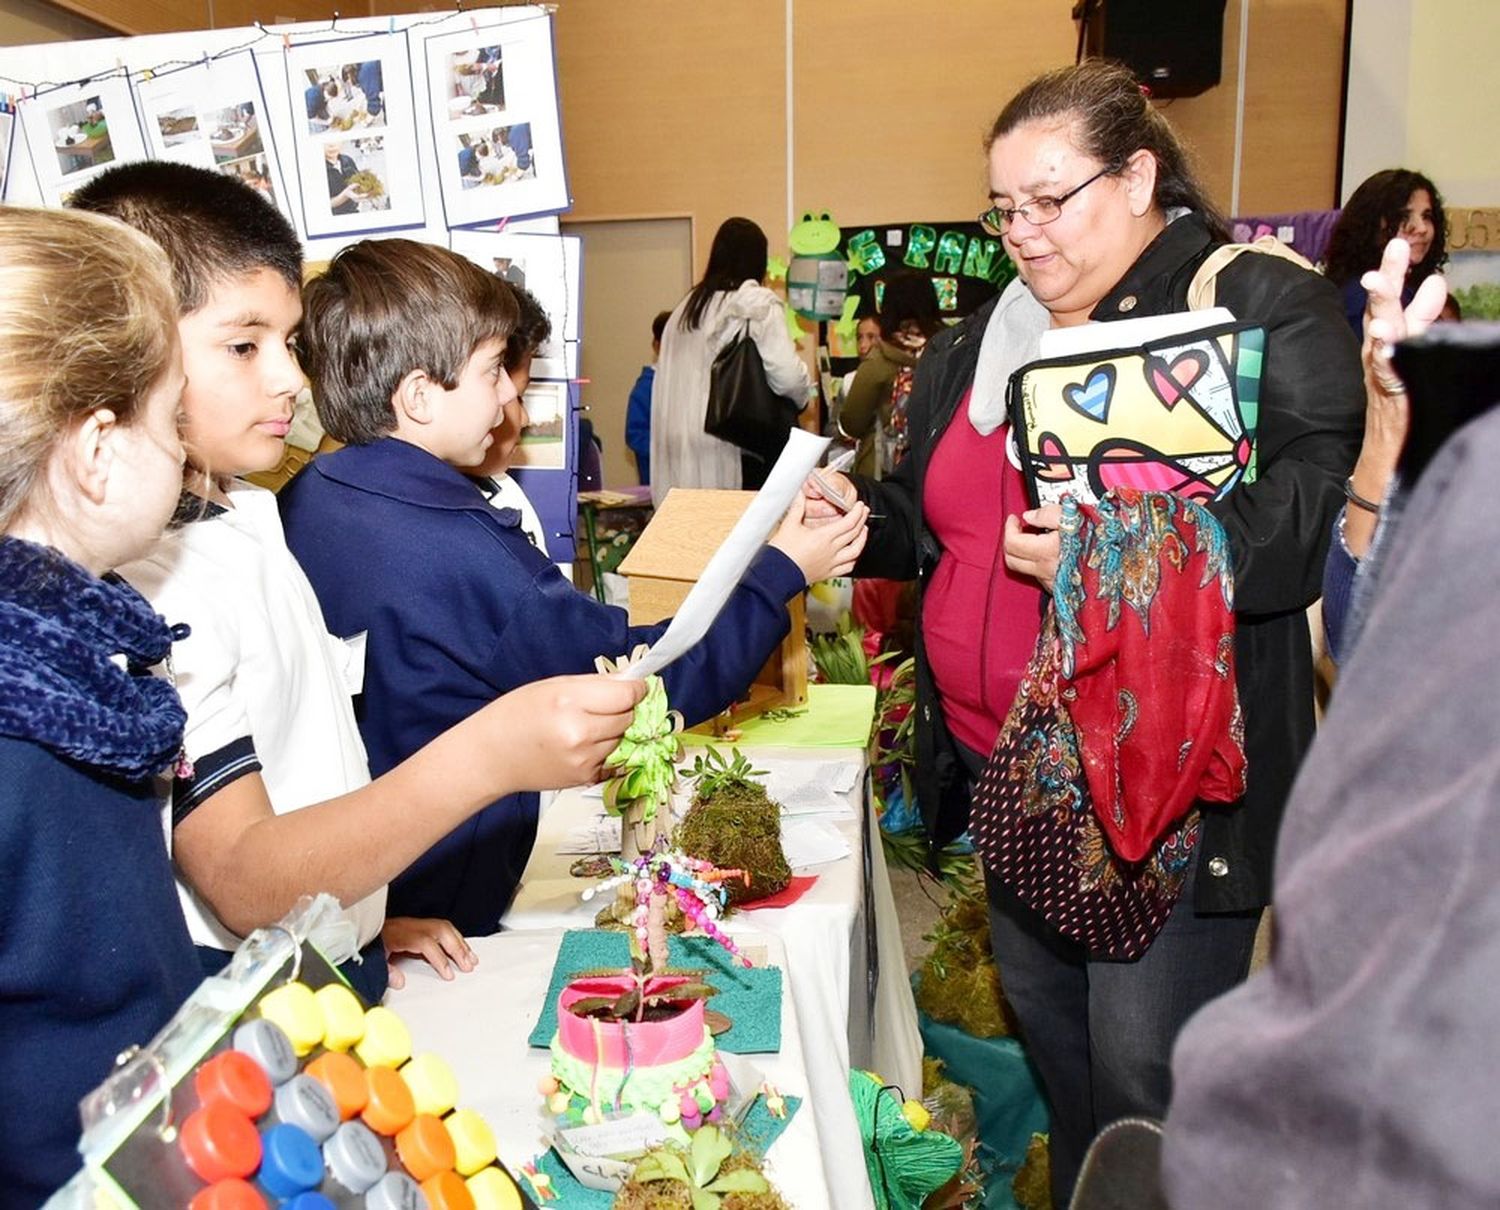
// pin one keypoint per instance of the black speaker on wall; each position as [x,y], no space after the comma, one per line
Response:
[1174,47]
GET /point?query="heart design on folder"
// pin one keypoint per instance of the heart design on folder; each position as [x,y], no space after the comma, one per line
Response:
[1091,397]
[1172,382]
[1053,465]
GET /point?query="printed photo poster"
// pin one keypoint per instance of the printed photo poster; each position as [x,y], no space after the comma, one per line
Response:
[495,124]
[550,267]
[75,132]
[354,130]
[213,115]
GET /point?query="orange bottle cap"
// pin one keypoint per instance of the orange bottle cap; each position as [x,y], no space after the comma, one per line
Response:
[432,1084]
[473,1141]
[233,1194]
[386,1043]
[218,1142]
[390,1106]
[236,1078]
[493,1189]
[447,1191]
[344,1079]
[424,1147]
[343,1016]
[293,1007]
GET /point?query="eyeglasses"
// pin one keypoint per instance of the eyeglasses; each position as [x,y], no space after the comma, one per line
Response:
[1038,212]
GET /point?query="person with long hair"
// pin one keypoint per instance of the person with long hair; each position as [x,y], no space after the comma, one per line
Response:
[908,319]
[1396,202]
[731,297]
[1092,194]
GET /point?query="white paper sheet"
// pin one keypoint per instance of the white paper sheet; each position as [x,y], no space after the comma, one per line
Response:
[810,842]
[729,563]
[599,834]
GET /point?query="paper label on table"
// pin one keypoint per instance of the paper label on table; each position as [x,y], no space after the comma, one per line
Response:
[810,842]
[628,1135]
[729,563]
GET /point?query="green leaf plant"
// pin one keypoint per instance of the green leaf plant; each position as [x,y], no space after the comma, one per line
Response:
[643,764]
[701,1169]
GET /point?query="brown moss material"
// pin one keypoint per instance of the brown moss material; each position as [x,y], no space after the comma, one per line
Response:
[1032,1184]
[738,828]
[960,984]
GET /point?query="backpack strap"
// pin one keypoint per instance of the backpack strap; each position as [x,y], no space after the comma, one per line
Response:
[1203,289]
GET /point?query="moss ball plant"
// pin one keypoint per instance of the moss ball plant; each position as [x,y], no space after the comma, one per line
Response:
[735,825]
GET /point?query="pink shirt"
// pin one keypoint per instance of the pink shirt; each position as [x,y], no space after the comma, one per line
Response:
[979,619]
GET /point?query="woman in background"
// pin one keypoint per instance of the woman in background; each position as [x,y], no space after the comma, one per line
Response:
[1392,203]
[730,298]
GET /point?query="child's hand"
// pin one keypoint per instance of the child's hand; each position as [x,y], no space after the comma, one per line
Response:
[437,942]
[556,733]
[826,549]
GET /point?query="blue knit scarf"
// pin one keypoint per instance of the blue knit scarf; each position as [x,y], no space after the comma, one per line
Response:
[59,686]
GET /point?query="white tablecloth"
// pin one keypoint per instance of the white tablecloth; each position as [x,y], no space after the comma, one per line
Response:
[479,1024]
[844,962]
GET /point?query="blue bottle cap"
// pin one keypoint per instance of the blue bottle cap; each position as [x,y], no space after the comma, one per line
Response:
[290,1161]
[308,1201]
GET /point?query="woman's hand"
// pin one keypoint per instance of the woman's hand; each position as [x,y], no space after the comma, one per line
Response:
[818,509]
[1033,550]
[1386,416]
[825,548]
[436,942]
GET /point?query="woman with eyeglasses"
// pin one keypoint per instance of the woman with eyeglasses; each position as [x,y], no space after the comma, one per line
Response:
[1095,202]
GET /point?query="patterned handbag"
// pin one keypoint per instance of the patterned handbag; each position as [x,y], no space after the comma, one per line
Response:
[1141,610]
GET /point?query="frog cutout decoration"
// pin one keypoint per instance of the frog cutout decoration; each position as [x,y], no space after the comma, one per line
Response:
[817,279]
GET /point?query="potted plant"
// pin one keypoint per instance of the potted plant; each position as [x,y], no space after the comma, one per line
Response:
[733,822]
[710,1174]
[643,764]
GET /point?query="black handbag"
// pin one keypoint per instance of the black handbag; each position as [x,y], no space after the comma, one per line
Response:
[742,408]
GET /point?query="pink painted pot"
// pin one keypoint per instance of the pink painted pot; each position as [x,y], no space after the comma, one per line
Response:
[652,1043]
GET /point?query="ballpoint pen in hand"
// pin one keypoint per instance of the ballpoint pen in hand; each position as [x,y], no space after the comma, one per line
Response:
[826,489]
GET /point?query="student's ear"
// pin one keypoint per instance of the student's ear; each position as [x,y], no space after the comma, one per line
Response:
[413,397]
[88,453]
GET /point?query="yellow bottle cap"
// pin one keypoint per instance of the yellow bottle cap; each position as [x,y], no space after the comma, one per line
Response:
[387,1042]
[473,1141]
[293,1007]
[494,1190]
[432,1084]
[343,1016]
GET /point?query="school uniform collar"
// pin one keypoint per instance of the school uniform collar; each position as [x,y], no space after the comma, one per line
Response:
[1149,285]
[404,472]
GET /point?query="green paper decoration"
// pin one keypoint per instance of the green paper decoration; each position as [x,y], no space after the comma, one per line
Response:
[817,278]
[863,253]
[847,326]
[905,1164]
[814,236]
[949,257]
[776,269]
[919,243]
[947,293]
[645,758]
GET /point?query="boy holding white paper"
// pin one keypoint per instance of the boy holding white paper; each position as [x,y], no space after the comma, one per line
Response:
[457,604]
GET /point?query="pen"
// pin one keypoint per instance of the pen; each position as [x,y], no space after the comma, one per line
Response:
[826,489]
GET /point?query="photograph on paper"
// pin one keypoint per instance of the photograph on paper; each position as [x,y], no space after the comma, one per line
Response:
[499,155]
[80,135]
[544,440]
[357,175]
[178,126]
[476,83]
[344,96]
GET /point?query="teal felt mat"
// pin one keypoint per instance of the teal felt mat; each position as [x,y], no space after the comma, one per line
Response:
[759,1130]
[750,998]
[1008,1099]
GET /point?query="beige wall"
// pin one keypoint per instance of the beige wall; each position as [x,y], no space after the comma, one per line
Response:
[26,21]
[679,106]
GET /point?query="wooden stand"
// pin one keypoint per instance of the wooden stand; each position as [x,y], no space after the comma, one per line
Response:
[666,562]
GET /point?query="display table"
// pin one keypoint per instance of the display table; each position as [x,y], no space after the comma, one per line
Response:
[845,968]
[479,1023]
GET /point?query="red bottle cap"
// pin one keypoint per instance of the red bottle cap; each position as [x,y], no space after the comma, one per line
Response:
[228,1195]
[234,1077]
[218,1142]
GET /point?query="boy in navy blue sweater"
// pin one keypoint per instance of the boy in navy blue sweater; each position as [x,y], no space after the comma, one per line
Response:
[457,604]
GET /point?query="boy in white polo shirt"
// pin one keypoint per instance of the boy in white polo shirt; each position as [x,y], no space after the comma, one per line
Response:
[279,802]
